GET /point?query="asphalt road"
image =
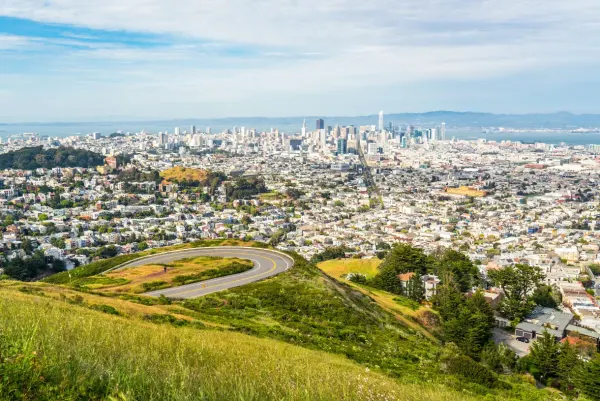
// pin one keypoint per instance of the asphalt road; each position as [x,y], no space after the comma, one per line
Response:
[266,264]
[501,336]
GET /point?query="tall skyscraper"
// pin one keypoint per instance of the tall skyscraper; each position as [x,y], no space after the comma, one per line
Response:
[342,146]
[304,128]
[443,132]
[177,131]
[320,124]
[193,129]
[381,127]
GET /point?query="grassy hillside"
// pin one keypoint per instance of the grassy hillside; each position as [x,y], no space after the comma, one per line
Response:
[184,174]
[50,353]
[299,335]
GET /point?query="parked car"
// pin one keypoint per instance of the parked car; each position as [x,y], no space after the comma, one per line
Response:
[523,340]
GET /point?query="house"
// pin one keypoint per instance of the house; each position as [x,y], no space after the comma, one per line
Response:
[430,283]
[544,319]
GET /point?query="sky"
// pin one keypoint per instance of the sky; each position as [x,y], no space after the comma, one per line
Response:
[73,60]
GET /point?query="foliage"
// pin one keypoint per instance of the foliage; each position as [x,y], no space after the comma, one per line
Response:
[232,268]
[544,354]
[518,282]
[466,367]
[336,252]
[135,175]
[499,358]
[37,157]
[106,309]
[587,378]
[400,259]
[245,188]
[30,267]
[415,289]
[470,325]
[547,296]
[464,273]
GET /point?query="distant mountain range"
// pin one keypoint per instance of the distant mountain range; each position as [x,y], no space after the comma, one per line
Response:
[560,120]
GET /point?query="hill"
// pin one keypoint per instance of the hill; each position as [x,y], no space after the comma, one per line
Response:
[37,157]
[301,335]
[178,174]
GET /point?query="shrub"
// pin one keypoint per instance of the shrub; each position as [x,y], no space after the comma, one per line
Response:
[474,372]
[153,285]
[106,309]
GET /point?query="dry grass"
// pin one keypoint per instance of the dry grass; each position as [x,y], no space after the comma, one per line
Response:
[111,356]
[340,267]
[182,173]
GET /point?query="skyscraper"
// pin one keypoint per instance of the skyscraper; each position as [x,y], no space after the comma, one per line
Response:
[443,132]
[342,146]
[193,129]
[381,127]
[320,124]
[304,128]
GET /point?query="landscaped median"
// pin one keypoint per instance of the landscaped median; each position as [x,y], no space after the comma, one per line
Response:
[101,266]
[150,277]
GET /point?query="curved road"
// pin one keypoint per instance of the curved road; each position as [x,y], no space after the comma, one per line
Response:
[267,263]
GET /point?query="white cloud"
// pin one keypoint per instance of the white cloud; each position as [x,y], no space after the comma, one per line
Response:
[299,47]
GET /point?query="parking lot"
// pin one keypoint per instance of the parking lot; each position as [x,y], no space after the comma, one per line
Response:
[504,337]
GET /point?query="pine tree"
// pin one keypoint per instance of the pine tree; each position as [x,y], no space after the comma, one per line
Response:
[544,354]
[587,378]
[415,289]
[568,363]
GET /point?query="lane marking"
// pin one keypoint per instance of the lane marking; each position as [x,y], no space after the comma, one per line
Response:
[230,282]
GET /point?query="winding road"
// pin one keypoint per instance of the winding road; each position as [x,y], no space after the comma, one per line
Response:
[267,263]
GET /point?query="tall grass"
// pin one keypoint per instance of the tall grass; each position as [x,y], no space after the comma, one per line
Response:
[48,352]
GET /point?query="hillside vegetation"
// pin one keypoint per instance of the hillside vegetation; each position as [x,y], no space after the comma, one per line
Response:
[36,157]
[300,335]
[177,174]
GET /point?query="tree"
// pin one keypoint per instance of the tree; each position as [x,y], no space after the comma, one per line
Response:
[544,354]
[518,282]
[142,246]
[464,272]
[404,258]
[587,378]
[415,289]
[568,364]
[547,296]
[448,299]
[43,217]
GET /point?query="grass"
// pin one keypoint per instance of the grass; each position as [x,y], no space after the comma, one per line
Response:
[272,196]
[421,319]
[338,268]
[301,335]
[183,173]
[146,278]
[50,353]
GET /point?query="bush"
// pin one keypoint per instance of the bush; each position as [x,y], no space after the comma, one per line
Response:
[153,285]
[467,368]
[106,309]
[357,278]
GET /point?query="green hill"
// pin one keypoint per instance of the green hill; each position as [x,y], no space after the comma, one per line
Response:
[298,336]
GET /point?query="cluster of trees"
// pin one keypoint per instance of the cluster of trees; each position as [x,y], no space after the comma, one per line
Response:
[334,252]
[403,258]
[245,188]
[522,285]
[37,157]
[136,175]
[26,269]
[560,365]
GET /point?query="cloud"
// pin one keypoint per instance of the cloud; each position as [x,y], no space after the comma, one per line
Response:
[238,50]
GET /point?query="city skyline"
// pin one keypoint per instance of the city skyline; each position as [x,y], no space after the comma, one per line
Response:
[70,61]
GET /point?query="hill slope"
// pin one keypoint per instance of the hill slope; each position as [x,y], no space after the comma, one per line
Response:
[340,345]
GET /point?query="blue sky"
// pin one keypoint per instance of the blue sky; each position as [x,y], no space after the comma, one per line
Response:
[68,60]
